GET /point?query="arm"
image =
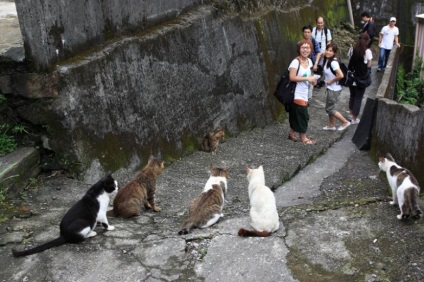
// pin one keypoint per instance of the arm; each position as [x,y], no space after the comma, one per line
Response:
[380,37]
[339,75]
[397,40]
[318,55]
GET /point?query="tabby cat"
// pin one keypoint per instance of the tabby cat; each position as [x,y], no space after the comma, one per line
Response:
[138,192]
[211,140]
[405,188]
[263,210]
[206,209]
[80,220]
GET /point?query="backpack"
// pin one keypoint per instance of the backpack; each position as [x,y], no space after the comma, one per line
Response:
[325,34]
[348,76]
[285,89]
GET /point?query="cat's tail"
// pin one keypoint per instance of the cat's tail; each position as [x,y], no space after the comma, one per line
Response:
[187,226]
[55,243]
[253,233]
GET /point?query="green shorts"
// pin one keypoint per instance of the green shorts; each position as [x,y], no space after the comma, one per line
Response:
[298,118]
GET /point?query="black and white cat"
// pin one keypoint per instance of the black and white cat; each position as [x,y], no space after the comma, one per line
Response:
[80,220]
[405,188]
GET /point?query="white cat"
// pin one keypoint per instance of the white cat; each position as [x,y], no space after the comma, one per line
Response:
[405,188]
[263,210]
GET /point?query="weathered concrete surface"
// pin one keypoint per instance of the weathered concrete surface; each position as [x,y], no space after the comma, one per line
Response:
[54,32]
[344,230]
[18,167]
[11,44]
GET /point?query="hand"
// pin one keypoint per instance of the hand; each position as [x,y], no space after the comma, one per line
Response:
[315,68]
[398,44]
[312,80]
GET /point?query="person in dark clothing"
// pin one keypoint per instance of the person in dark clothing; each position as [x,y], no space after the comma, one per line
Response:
[359,63]
[369,27]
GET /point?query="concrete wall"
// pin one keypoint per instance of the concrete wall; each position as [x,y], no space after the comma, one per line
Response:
[398,128]
[161,91]
[54,30]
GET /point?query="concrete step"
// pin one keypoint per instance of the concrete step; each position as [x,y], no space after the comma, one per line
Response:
[18,167]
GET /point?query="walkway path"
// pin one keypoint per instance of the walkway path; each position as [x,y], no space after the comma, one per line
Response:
[336,222]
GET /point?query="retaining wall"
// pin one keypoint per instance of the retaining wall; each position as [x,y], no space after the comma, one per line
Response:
[55,30]
[398,128]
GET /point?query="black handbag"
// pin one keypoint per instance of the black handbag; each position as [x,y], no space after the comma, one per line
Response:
[285,90]
[363,82]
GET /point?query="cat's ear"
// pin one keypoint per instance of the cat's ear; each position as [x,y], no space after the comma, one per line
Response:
[261,167]
[389,157]
[248,170]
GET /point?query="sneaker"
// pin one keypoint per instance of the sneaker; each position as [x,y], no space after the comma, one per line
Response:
[329,128]
[378,70]
[356,121]
[341,128]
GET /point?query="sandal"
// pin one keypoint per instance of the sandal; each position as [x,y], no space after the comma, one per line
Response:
[293,138]
[309,141]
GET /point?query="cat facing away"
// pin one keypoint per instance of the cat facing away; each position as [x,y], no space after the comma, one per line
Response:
[405,188]
[206,209]
[211,140]
[80,220]
[263,210]
[139,191]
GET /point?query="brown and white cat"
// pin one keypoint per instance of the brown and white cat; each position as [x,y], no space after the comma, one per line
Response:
[211,140]
[81,219]
[206,209]
[263,210]
[405,188]
[138,192]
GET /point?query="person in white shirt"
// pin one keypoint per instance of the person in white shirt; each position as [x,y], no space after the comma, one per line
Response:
[321,34]
[388,35]
[333,74]
[300,72]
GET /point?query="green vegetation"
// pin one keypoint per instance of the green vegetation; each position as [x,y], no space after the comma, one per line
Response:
[409,86]
[7,142]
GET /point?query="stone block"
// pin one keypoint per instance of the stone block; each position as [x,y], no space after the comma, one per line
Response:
[18,167]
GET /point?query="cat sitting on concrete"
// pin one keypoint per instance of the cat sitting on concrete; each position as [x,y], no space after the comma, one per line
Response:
[263,210]
[211,140]
[79,221]
[206,209]
[138,192]
[405,188]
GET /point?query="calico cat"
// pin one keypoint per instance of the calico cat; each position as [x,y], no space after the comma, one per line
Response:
[81,219]
[206,209]
[405,188]
[138,192]
[211,140]
[263,210]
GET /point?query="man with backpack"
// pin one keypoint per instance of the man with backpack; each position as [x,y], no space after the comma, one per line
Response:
[323,36]
[368,27]
[321,33]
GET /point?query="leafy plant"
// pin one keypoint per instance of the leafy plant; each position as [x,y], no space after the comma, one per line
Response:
[19,129]
[409,86]
[7,142]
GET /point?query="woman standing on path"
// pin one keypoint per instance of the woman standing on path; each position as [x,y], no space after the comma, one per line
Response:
[360,64]
[333,74]
[300,72]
